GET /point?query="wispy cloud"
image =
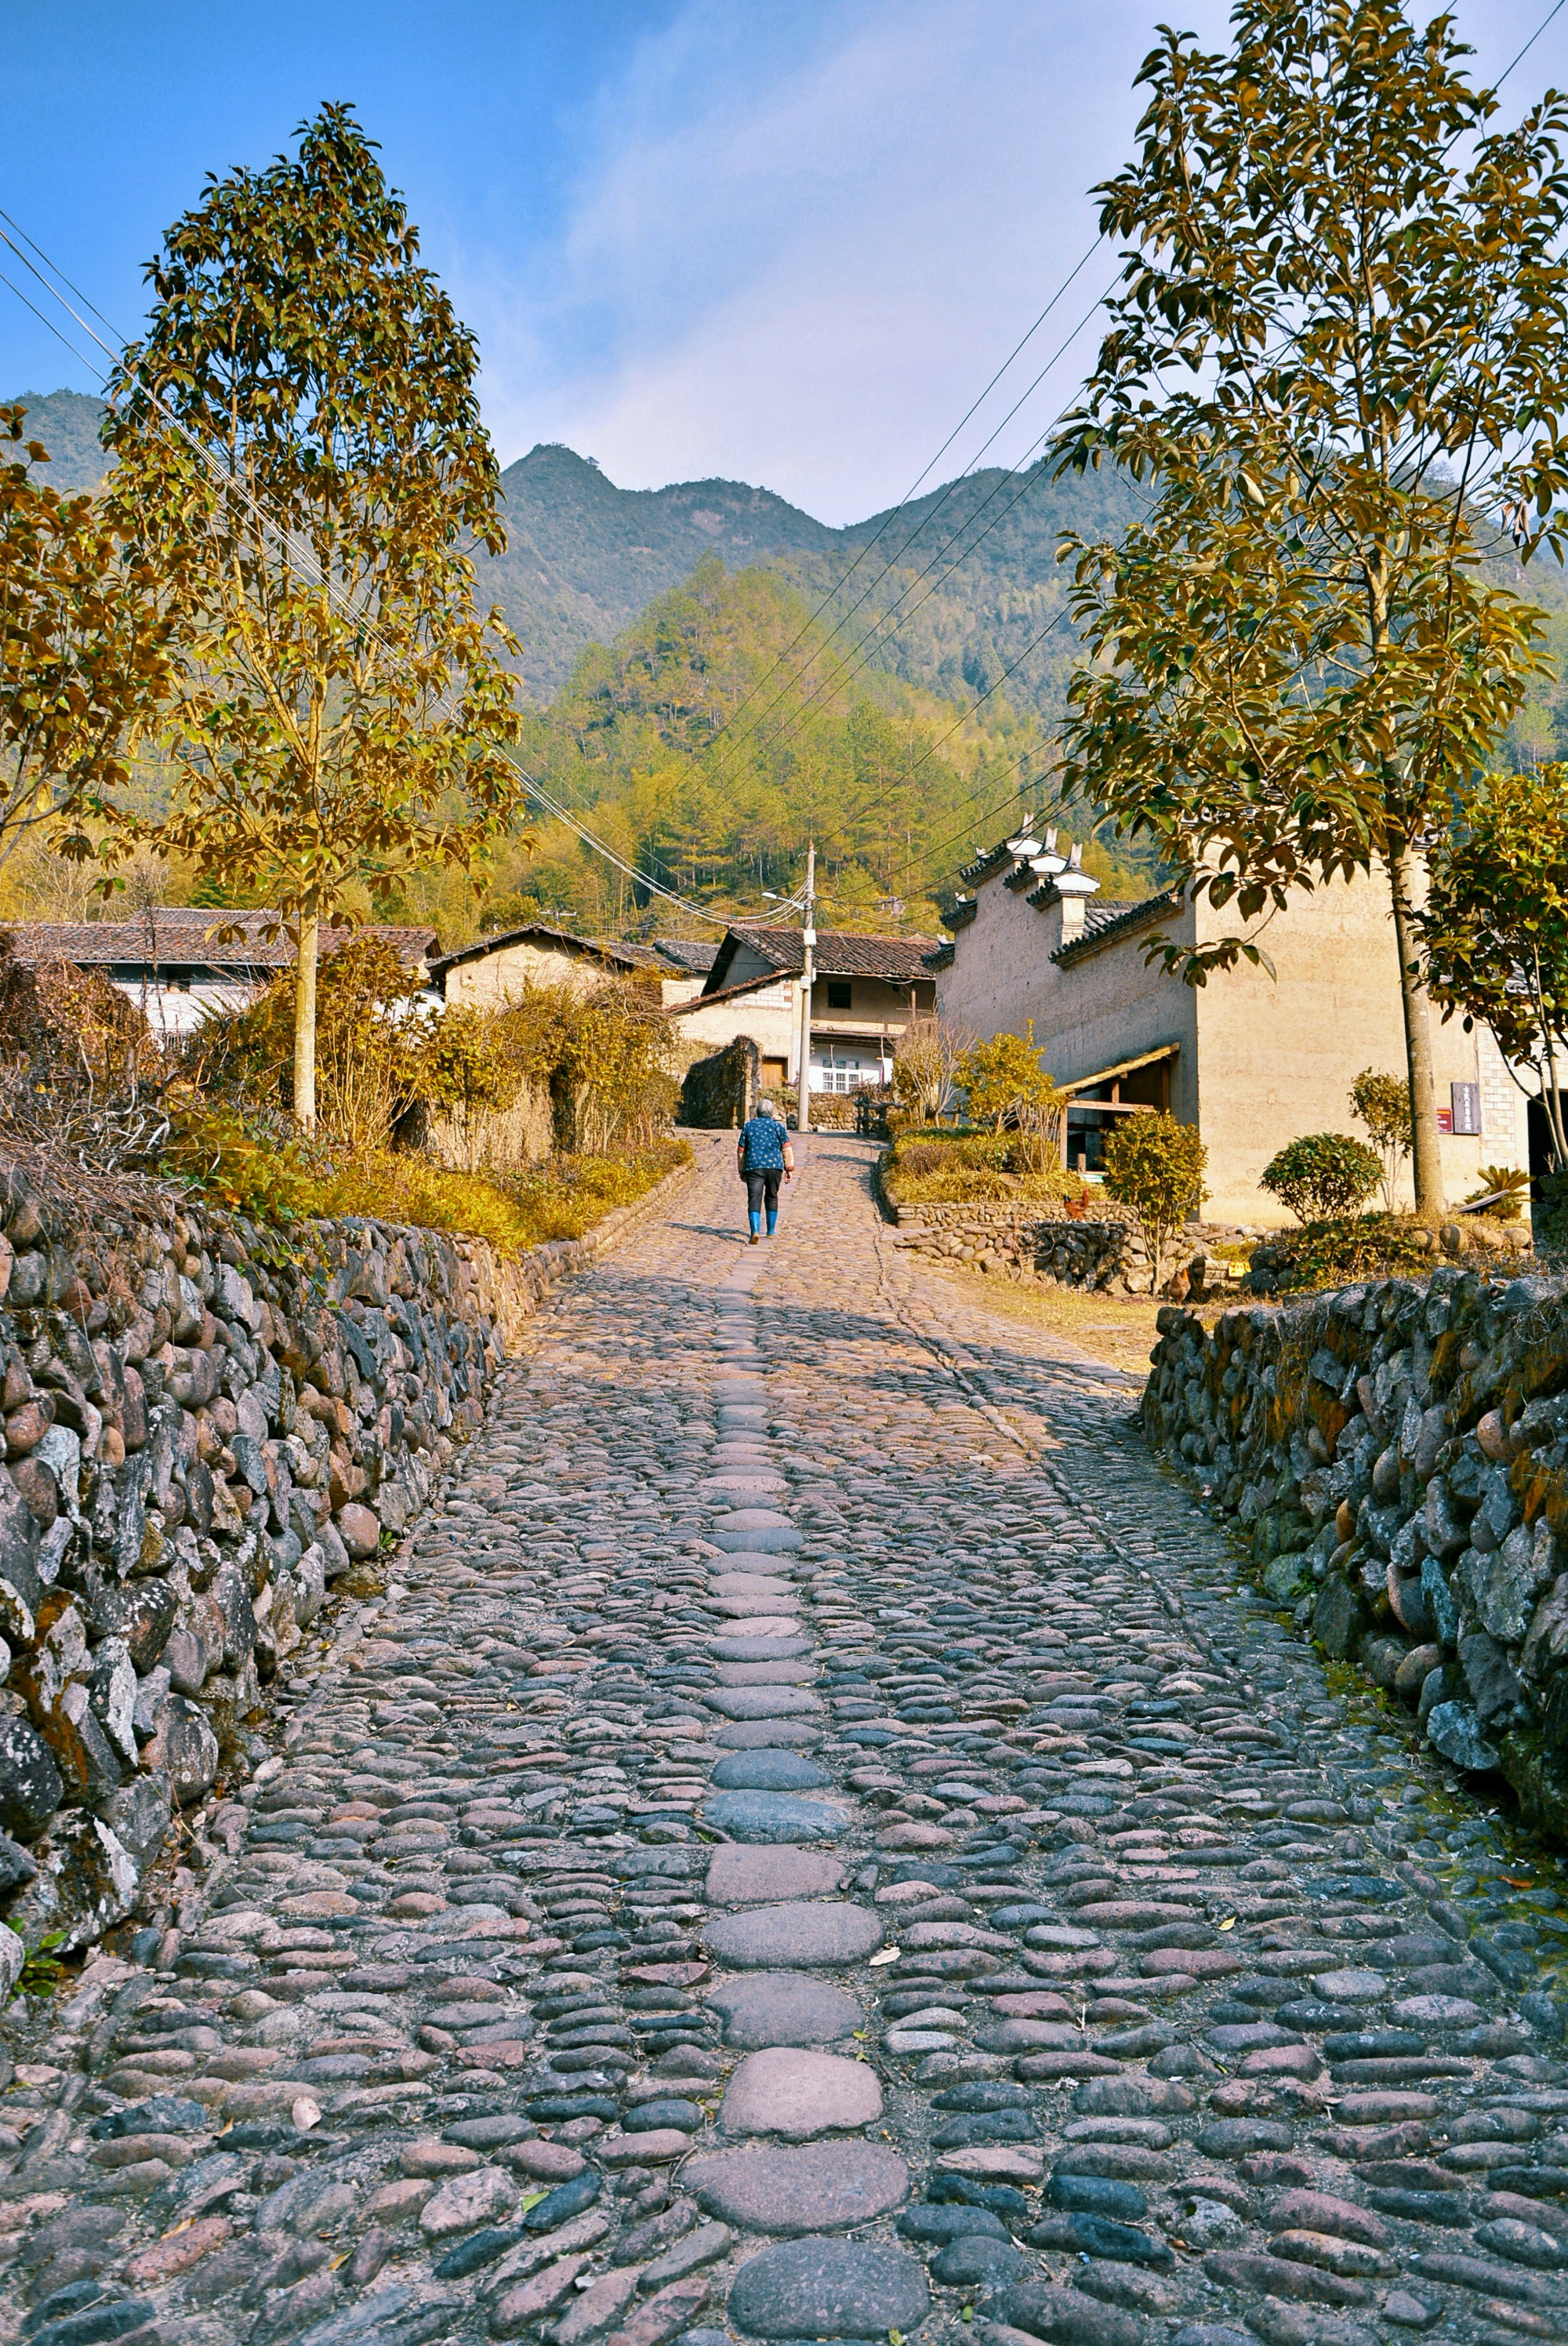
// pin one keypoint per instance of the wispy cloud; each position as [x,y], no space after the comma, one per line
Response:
[801,236]
[797,251]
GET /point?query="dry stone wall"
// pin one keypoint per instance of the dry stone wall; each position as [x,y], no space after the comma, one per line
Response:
[1036,1241]
[203,1430]
[1397,1455]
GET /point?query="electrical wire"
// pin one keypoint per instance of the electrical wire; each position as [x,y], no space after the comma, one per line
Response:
[889,518]
[230,486]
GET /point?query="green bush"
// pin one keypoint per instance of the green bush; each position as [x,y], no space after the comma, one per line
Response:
[1359,1245]
[1323,1177]
[1154,1166]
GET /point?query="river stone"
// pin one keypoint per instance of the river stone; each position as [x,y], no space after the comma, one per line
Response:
[834,1932]
[766,1520]
[784,2008]
[819,2187]
[838,2288]
[772,1816]
[769,1771]
[737,1875]
[765,1734]
[764,1674]
[784,2090]
[762,1702]
[762,1539]
[760,1648]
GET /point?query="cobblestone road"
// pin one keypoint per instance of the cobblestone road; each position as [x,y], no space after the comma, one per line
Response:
[811,1846]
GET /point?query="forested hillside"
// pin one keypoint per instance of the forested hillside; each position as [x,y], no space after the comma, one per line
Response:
[651,623]
[974,593]
[669,745]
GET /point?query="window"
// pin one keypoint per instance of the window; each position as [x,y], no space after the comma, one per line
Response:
[840,994]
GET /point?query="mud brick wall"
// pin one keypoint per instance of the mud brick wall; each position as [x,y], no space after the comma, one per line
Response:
[1397,1454]
[204,1429]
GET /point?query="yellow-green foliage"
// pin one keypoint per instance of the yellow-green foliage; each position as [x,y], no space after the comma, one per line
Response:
[561,1199]
[951,1169]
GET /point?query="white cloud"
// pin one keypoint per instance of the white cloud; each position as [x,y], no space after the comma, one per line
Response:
[803,235]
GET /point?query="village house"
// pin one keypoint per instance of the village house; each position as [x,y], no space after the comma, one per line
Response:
[1252,1060]
[867,991]
[497,968]
[181,963]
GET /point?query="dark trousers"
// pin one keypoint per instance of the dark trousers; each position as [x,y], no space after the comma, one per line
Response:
[763,1186]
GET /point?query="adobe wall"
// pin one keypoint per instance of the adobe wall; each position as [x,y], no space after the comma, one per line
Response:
[1276,1057]
[203,1432]
[1095,1012]
[1396,1455]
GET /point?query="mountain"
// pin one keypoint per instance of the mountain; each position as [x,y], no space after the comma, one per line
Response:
[583,558]
[959,593]
[974,578]
[66,421]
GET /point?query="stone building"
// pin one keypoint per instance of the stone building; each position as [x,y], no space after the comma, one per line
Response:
[497,968]
[1253,1060]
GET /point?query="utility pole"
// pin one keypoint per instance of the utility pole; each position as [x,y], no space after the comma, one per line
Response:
[808,980]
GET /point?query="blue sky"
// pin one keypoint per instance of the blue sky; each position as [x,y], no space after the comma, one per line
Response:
[782,240]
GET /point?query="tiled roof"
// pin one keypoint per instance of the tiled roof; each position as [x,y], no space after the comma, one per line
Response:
[984,866]
[841,953]
[1102,919]
[181,935]
[547,940]
[693,954]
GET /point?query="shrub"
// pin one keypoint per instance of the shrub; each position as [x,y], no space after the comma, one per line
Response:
[245,1162]
[1507,1187]
[1361,1246]
[1005,1083]
[1323,1175]
[1383,1105]
[1154,1166]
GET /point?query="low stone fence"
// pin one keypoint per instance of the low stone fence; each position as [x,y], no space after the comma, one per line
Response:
[1397,1454]
[203,1430]
[1037,1240]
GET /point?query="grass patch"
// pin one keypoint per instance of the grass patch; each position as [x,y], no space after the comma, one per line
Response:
[937,1168]
[1118,1331]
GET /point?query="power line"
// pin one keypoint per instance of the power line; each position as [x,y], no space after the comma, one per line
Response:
[230,486]
[891,516]
[848,666]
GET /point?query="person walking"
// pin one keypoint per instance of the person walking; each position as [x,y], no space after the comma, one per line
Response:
[763,1158]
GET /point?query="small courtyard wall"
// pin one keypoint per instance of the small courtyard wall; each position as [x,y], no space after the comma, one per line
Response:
[1037,1240]
[1397,1456]
[205,1427]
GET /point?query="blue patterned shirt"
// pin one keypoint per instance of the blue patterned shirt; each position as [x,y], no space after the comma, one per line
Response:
[762,1141]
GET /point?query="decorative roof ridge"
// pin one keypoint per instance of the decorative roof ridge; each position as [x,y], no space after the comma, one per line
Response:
[1130,916]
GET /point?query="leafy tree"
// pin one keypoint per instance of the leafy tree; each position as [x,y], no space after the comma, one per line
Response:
[1005,1083]
[1383,1105]
[1495,928]
[1337,356]
[369,1064]
[1323,1174]
[926,1069]
[1154,1166]
[299,451]
[83,653]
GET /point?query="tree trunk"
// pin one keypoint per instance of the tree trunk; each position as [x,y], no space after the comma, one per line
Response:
[1426,1155]
[305,1017]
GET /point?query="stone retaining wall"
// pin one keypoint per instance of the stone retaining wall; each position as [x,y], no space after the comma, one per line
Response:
[1036,1241]
[1398,1454]
[203,1429]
